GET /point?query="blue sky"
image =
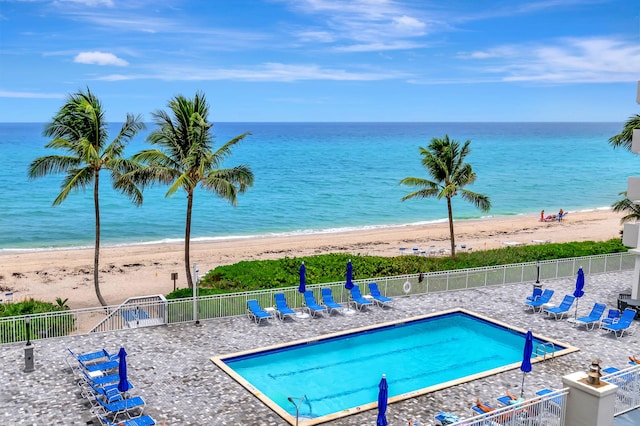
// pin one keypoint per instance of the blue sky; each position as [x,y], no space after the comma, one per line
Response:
[326,60]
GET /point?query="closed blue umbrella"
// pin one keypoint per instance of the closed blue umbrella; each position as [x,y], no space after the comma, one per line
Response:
[303,278]
[123,384]
[349,284]
[526,358]
[383,395]
[578,293]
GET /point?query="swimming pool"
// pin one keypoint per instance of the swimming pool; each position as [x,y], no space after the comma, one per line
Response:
[339,373]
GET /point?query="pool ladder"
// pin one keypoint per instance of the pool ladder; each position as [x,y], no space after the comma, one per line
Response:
[542,350]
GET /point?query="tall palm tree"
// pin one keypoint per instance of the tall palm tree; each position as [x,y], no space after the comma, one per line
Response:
[184,159]
[444,161]
[80,130]
[624,138]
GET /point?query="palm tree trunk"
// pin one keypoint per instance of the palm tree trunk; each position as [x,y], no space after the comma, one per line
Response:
[96,256]
[453,238]
[187,238]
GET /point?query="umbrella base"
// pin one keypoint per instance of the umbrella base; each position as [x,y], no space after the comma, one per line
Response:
[349,311]
[302,315]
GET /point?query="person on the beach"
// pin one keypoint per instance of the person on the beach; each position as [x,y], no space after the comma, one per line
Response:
[560,213]
[483,407]
[542,216]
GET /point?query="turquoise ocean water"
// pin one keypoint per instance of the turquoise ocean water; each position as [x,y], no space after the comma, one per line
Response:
[318,178]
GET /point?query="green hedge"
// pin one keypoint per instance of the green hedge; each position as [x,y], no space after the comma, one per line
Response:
[10,332]
[264,274]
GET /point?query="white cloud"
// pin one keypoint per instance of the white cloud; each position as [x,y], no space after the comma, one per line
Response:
[267,72]
[90,3]
[408,24]
[363,25]
[589,60]
[100,58]
[379,47]
[30,95]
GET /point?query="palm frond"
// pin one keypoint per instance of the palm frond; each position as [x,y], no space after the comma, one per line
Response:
[52,164]
[75,180]
[624,138]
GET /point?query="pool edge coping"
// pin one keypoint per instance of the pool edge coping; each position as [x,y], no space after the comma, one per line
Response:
[217,360]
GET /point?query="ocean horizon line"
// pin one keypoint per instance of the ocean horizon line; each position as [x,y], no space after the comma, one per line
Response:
[285,234]
[361,122]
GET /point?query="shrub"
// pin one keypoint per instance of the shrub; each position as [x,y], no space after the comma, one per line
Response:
[264,274]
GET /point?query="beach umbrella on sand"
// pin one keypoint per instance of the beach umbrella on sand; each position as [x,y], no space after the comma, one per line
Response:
[526,358]
[349,284]
[123,384]
[578,293]
[303,278]
[383,395]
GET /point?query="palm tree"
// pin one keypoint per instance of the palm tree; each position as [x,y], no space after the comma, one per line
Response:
[627,206]
[624,138]
[184,159]
[444,161]
[80,130]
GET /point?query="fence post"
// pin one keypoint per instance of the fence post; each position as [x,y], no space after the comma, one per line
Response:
[589,405]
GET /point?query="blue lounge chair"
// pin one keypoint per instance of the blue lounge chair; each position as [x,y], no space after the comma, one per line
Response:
[537,304]
[109,392]
[377,297]
[255,311]
[477,410]
[134,316]
[99,380]
[97,356]
[123,407]
[312,306]
[358,299]
[623,324]
[563,308]
[508,400]
[593,318]
[327,300]
[552,404]
[612,317]
[102,367]
[536,293]
[145,420]
[282,308]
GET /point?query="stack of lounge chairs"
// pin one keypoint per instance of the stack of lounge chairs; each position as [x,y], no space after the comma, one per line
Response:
[98,380]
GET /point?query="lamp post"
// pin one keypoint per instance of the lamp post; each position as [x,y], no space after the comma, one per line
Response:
[195,294]
[28,349]
[537,284]
[297,405]
[27,325]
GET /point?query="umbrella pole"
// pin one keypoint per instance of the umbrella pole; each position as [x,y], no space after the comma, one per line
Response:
[522,386]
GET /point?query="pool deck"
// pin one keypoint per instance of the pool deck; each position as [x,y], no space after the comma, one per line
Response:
[171,369]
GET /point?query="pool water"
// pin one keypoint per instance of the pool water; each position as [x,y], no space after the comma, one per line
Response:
[342,373]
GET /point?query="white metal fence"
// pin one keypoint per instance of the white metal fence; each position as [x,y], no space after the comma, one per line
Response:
[154,310]
[628,393]
[547,410]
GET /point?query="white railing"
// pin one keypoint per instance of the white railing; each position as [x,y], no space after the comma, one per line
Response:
[628,393]
[142,311]
[548,410]
[108,318]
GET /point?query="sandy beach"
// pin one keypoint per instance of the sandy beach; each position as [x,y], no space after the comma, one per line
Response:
[146,268]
